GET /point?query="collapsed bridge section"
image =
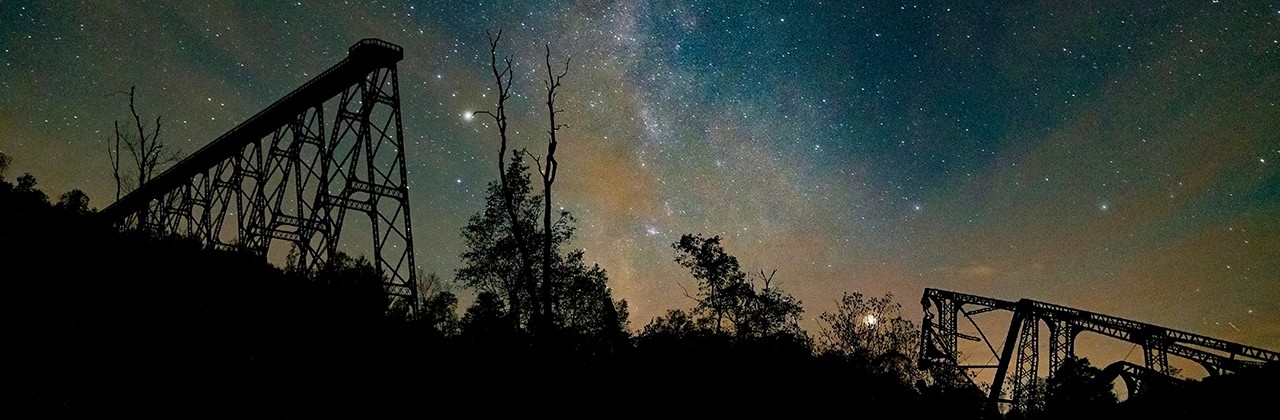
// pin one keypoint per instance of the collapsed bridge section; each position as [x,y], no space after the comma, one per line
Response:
[292,174]
[939,344]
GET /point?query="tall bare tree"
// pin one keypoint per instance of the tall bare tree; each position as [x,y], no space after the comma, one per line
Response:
[502,79]
[146,150]
[549,176]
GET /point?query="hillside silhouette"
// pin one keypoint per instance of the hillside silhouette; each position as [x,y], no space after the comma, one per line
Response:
[103,323]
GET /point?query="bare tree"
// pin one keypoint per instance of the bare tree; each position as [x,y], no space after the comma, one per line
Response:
[502,79]
[146,150]
[549,177]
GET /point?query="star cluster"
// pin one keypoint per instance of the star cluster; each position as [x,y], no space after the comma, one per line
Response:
[1120,159]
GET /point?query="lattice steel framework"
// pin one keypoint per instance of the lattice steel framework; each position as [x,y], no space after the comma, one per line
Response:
[939,344]
[289,176]
[1024,378]
[1062,342]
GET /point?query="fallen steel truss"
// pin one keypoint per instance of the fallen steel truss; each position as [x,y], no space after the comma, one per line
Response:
[940,339]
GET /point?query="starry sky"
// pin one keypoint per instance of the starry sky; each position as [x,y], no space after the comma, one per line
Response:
[1119,157]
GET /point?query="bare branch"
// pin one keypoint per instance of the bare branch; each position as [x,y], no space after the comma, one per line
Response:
[536,161]
[767,279]
[114,154]
[147,151]
[156,134]
[686,293]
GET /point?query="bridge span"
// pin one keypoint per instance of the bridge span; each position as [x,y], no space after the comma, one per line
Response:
[1020,350]
[292,174]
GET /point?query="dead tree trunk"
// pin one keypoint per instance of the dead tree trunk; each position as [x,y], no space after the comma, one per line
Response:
[502,79]
[548,178]
[147,151]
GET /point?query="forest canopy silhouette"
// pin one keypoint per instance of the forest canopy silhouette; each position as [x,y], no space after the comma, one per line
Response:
[104,321]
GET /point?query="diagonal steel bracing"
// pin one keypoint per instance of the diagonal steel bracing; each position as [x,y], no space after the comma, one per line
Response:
[940,338]
[291,177]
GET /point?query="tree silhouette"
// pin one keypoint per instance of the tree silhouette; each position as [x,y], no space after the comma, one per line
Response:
[439,305]
[549,173]
[538,292]
[720,281]
[727,302]
[525,280]
[492,261]
[675,324]
[4,165]
[74,201]
[486,317]
[1075,391]
[872,332]
[146,150]
[769,311]
[26,188]
[354,284]
[583,303]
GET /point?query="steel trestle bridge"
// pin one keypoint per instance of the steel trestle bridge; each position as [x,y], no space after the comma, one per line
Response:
[294,173]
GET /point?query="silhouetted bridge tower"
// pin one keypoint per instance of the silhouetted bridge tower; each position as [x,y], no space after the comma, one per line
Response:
[1021,347]
[293,173]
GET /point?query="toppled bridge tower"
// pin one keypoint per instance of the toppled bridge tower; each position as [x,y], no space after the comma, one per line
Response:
[294,173]
[1021,348]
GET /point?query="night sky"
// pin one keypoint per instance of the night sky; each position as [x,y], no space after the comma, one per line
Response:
[1119,157]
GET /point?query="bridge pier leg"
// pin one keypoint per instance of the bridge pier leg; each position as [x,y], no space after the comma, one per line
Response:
[1024,380]
[1155,356]
[1062,344]
[1020,315]
[368,175]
